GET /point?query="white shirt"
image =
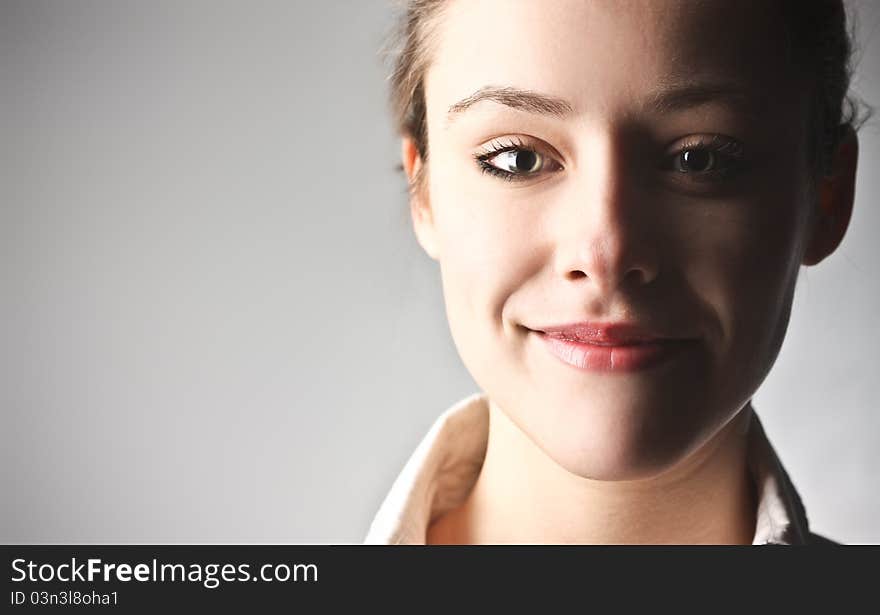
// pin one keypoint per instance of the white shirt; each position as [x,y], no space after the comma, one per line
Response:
[444,467]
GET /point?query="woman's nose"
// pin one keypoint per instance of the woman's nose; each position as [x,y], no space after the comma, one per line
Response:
[609,233]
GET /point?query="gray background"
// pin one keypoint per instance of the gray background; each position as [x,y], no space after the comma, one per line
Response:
[215,322]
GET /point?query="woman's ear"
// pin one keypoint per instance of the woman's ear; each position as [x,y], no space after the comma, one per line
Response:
[836,193]
[420,207]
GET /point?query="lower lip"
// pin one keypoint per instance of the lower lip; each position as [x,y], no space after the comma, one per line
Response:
[622,358]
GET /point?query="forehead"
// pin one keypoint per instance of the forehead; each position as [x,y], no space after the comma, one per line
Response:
[606,55]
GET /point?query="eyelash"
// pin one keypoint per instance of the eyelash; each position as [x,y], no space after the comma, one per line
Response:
[729,150]
[498,147]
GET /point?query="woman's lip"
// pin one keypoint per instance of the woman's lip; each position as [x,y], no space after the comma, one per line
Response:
[613,357]
[604,333]
[605,341]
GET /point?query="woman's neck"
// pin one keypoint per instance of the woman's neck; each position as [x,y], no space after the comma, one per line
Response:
[524,496]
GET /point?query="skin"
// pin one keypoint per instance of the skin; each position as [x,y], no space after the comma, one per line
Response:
[607,230]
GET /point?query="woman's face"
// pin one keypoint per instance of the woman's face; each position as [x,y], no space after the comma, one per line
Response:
[662,185]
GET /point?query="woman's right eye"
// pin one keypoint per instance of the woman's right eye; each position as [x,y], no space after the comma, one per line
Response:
[515,162]
[522,161]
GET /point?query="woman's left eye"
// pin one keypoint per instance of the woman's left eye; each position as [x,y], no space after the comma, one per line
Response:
[514,161]
[711,159]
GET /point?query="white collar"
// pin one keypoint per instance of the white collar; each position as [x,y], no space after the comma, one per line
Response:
[444,467]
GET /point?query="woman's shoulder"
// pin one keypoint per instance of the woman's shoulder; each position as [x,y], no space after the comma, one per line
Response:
[818,539]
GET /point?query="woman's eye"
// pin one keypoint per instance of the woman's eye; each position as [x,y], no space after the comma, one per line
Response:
[695,161]
[515,161]
[712,160]
[522,161]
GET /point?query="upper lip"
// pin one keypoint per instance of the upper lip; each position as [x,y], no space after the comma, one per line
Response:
[605,333]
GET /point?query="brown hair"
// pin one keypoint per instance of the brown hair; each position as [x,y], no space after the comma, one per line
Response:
[816,38]
[819,44]
[410,47]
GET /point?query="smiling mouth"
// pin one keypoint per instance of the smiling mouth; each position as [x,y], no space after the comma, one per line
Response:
[598,342]
[604,333]
[611,348]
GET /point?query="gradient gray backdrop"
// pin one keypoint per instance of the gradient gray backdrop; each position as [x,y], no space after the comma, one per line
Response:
[215,322]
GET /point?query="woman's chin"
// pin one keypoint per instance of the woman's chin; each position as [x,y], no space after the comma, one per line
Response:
[607,439]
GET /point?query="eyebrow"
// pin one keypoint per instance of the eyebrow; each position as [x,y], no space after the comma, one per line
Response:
[668,98]
[516,98]
[680,96]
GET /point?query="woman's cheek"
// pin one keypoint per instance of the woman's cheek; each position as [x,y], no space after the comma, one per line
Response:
[487,254]
[742,264]
[483,249]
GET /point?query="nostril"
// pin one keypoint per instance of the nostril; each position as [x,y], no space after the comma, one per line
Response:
[576,275]
[641,276]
